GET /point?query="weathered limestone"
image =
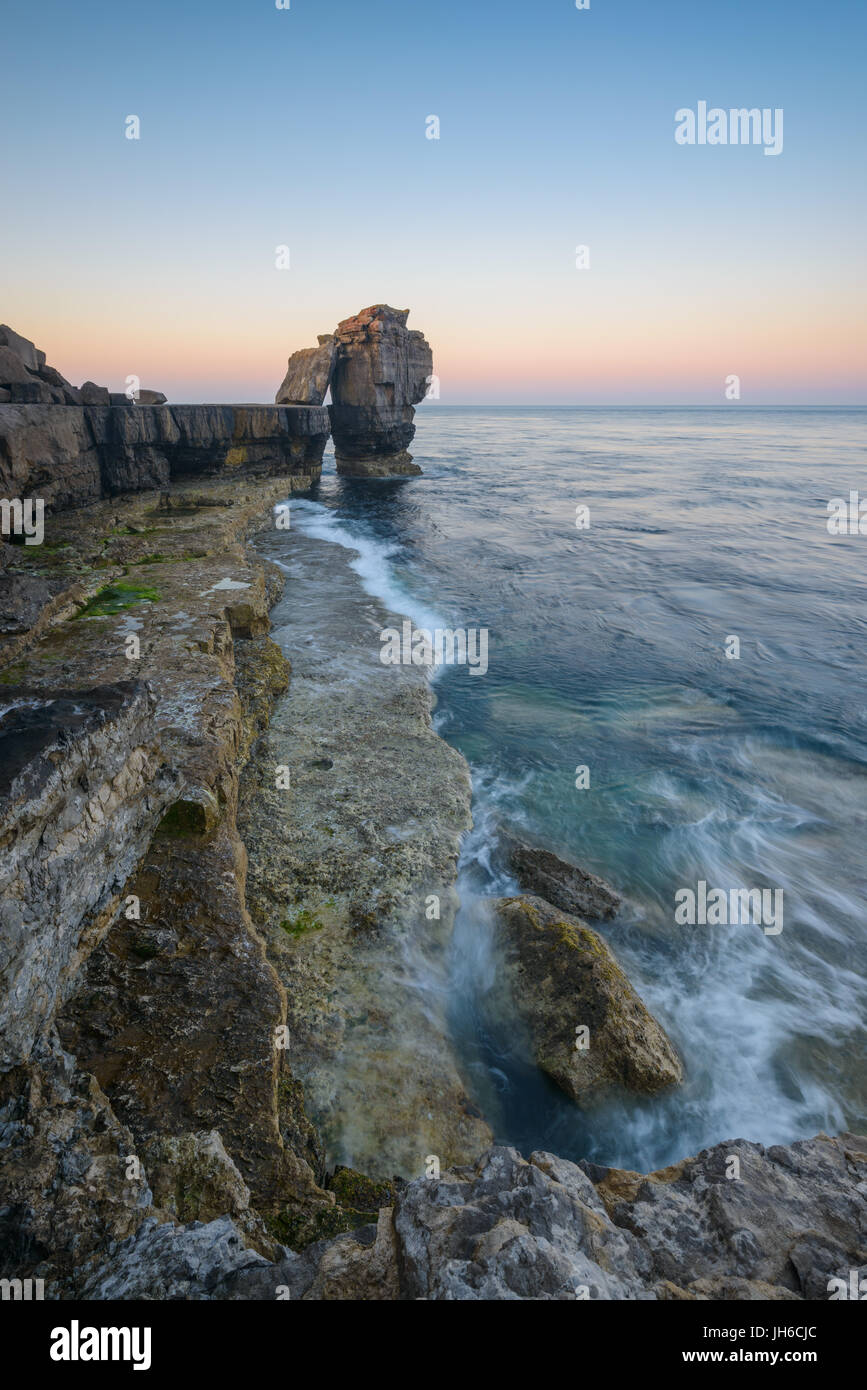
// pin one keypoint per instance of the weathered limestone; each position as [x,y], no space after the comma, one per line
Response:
[24,376]
[91,394]
[81,791]
[560,976]
[71,447]
[66,1190]
[22,348]
[49,452]
[72,456]
[308,374]
[125,925]
[564,885]
[382,370]
[377,370]
[547,1229]
[344,865]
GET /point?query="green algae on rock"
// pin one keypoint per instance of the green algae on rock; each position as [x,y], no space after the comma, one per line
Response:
[559,976]
[116,598]
[147,961]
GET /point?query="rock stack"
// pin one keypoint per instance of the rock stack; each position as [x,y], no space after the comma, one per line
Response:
[378,370]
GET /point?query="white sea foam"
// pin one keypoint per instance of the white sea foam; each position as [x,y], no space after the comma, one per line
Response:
[748,773]
[372,562]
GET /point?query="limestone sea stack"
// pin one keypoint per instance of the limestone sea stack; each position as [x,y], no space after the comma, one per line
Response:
[382,370]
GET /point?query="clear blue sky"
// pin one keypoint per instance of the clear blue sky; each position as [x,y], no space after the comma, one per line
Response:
[306,127]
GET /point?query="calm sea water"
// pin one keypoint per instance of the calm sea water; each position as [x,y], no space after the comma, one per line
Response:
[607,649]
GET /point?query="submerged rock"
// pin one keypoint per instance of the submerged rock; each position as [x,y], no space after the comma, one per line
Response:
[557,881]
[560,977]
[308,374]
[382,370]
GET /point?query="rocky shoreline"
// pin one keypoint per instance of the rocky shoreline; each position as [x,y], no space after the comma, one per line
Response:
[351,877]
[230,845]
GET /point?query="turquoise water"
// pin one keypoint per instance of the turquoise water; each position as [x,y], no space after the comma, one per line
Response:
[607,650]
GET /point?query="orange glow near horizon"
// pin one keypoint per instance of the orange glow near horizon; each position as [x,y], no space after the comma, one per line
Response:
[606,347]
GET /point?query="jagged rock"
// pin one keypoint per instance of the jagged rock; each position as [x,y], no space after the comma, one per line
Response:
[788,1217]
[546,1229]
[352,1268]
[194,1179]
[66,1187]
[53,377]
[12,368]
[24,350]
[26,378]
[540,872]
[91,394]
[508,1229]
[308,374]
[381,371]
[560,975]
[165,1261]
[148,397]
[36,392]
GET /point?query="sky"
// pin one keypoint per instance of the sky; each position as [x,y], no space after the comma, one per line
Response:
[307,128]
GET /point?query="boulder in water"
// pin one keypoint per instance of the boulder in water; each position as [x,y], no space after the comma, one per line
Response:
[559,882]
[562,978]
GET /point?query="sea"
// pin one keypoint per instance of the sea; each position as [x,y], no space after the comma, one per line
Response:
[675,694]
